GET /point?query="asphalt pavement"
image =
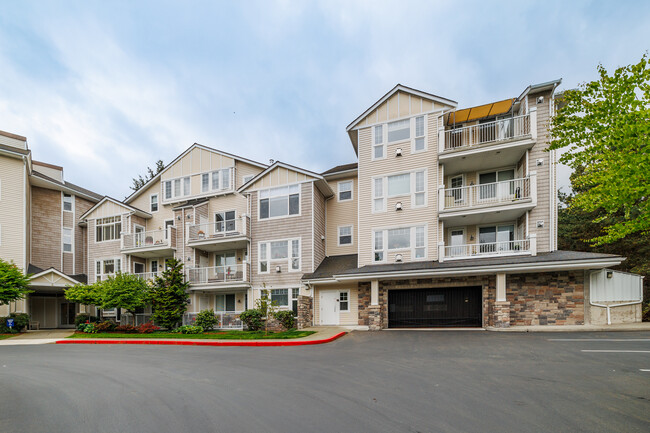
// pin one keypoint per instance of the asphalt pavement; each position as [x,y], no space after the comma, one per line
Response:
[388,381]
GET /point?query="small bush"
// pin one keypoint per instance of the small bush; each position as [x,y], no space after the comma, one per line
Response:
[21,320]
[126,329]
[252,319]
[88,328]
[4,329]
[286,319]
[148,328]
[206,319]
[106,326]
[83,318]
[187,329]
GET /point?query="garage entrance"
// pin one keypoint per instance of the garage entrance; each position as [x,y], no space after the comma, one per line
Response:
[435,307]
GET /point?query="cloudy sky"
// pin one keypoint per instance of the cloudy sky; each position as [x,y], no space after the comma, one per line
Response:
[106,88]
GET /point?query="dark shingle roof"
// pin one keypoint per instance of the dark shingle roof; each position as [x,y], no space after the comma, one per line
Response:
[333,265]
[339,168]
[191,203]
[72,186]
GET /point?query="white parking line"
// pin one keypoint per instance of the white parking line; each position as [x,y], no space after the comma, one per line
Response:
[598,339]
[643,369]
[617,351]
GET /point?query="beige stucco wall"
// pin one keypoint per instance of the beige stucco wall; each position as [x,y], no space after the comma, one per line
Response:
[341,213]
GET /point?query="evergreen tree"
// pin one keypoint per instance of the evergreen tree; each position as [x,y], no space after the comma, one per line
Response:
[169,295]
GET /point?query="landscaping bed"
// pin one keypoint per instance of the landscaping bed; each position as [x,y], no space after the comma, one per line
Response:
[224,335]
[3,336]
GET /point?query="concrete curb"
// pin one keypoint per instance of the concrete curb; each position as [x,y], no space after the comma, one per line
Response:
[255,343]
[580,328]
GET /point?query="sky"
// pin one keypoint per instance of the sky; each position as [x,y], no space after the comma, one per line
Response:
[104,89]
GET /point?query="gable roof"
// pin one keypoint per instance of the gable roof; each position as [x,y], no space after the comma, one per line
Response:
[341,168]
[320,181]
[66,186]
[137,193]
[106,198]
[390,93]
[55,277]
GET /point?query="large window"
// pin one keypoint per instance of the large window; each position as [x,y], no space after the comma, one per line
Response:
[67,240]
[280,202]
[399,184]
[225,302]
[225,221]
[68,201]
[399,130]
[107,267]
[345,190]
[216,180]
[345,235]
[279,252]
[414,184]
[403,238]
[108,229]
[176,188]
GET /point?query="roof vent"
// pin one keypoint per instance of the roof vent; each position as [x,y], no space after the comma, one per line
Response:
[398,205]
[398,258]
[398,151]
[271,161]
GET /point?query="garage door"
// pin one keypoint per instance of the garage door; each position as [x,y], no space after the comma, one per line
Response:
[424,308]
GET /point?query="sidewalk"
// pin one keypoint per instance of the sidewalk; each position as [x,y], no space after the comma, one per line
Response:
[37,337]
[640,326]
[323,335]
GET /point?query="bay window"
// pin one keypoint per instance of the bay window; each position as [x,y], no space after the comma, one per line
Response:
[396,239]
[279,252]
[280,202]
[176,188]
[108,229]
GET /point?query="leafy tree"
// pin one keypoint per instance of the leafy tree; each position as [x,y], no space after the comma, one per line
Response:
[86,294]
[138,182]
[125,291]
[604,125]
[14,284]
[169,295]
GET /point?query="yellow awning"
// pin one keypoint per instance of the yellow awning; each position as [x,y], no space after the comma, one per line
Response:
[480,112]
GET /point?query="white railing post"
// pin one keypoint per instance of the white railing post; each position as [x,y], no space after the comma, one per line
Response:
[533,244]
[441,198]
[532,123]
[441,252]
[533,187]
[441,140]
[245,270]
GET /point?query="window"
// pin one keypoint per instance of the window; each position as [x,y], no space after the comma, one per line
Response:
[457,190]
[344,303]
[345,190]
[403,238]
[154,203]
[67,240]
[399,130]
[280,202]
[67,202]
[294,301]
[419,143]
[168,223]
[399,184]
[216,180]
[419,196]
[176,188]
[378,195]
[108,229]
[106,268]
[225,302]
[225,221]
[345,235]
[496,238]
[205,182]
[285,251]
[154,266]
[280,296]
[247,178]
[378,148]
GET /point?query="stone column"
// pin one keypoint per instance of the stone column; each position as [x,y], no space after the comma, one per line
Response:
[305,312]
[375,320]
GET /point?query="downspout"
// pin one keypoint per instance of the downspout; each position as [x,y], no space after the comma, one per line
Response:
[609,317]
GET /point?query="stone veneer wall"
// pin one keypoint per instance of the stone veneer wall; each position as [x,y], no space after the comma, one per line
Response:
[305,318]
[550,298]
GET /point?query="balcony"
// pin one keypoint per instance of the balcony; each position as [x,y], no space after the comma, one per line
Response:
[156,243]
[227,319]
[497,143]
[491,249]
[489,202]
[220,235]
[220,276]
[149,275]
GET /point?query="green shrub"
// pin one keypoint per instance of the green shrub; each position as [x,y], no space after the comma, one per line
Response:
[286,319]
[188,329]
[4,329]
[106,326]
[252,319]
[127,329]
[83,318]
[21,321]
[206,319]
[148,328]
[88,328]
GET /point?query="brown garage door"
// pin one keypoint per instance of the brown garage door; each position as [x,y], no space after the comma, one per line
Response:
[435,307]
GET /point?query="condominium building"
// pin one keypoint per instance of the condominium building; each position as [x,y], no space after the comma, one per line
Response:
[447,218]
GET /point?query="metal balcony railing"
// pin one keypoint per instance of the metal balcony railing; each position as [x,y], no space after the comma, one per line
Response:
[154,238]
[219,229]
[507,191]
[227,319]
[498,130]
[219,274]
[488,249]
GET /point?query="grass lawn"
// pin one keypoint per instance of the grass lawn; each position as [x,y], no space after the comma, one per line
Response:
[3,336]
[225,335]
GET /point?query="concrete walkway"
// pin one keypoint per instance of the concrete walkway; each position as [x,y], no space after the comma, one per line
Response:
[640,326]
[45,336]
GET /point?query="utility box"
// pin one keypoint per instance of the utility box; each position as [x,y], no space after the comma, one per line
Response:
[614,297]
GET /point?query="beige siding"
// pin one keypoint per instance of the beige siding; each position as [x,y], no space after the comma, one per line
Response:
[400,105]
[103,250]
[319,226]
[244,169]
[13,142]
[279,176]
[107,209]
[13,234]
[46,232]
[350,318]
[342,213]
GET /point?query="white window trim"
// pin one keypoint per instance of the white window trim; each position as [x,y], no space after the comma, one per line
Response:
[403,140]
[338,193]
[425,136]
[273,262]
[224,220]
[411,193]
[72,202]
[157,202]
[383,196]
[220,189]
[63,229]
[383,144]
[426,189]
[270,218]
[338,238]
[412,242]
[102,260]
[348,301]
[247,178]
[173,197]
[119,235]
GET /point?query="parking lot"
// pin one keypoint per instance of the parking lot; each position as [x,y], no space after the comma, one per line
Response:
[452,381]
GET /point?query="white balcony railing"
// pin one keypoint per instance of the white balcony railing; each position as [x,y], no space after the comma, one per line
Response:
[508,191]
[148,275]
[227,319]
[155,238]
[128,319]
[219,274]
[498,130]
[220,229]
[489,249]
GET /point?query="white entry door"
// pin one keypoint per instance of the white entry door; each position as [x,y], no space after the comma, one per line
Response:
[329,307]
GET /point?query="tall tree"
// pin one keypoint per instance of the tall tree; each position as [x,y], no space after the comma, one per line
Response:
[605,127]
[84,294]
[138,182]
[126,291]
[169,295]
[14,284]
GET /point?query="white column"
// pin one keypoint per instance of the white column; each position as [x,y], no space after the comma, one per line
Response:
[441,140]
[533,186]
[441,198]
[533,244]
[441,251]
[501,287]
[374,292]
[533,122]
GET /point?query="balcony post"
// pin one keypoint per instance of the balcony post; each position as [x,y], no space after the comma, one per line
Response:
[441,140]
[533,243]
[441,252]
[243,225]
[441,198]
[533,186]
[532,124]
[121,239]
[245,266]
